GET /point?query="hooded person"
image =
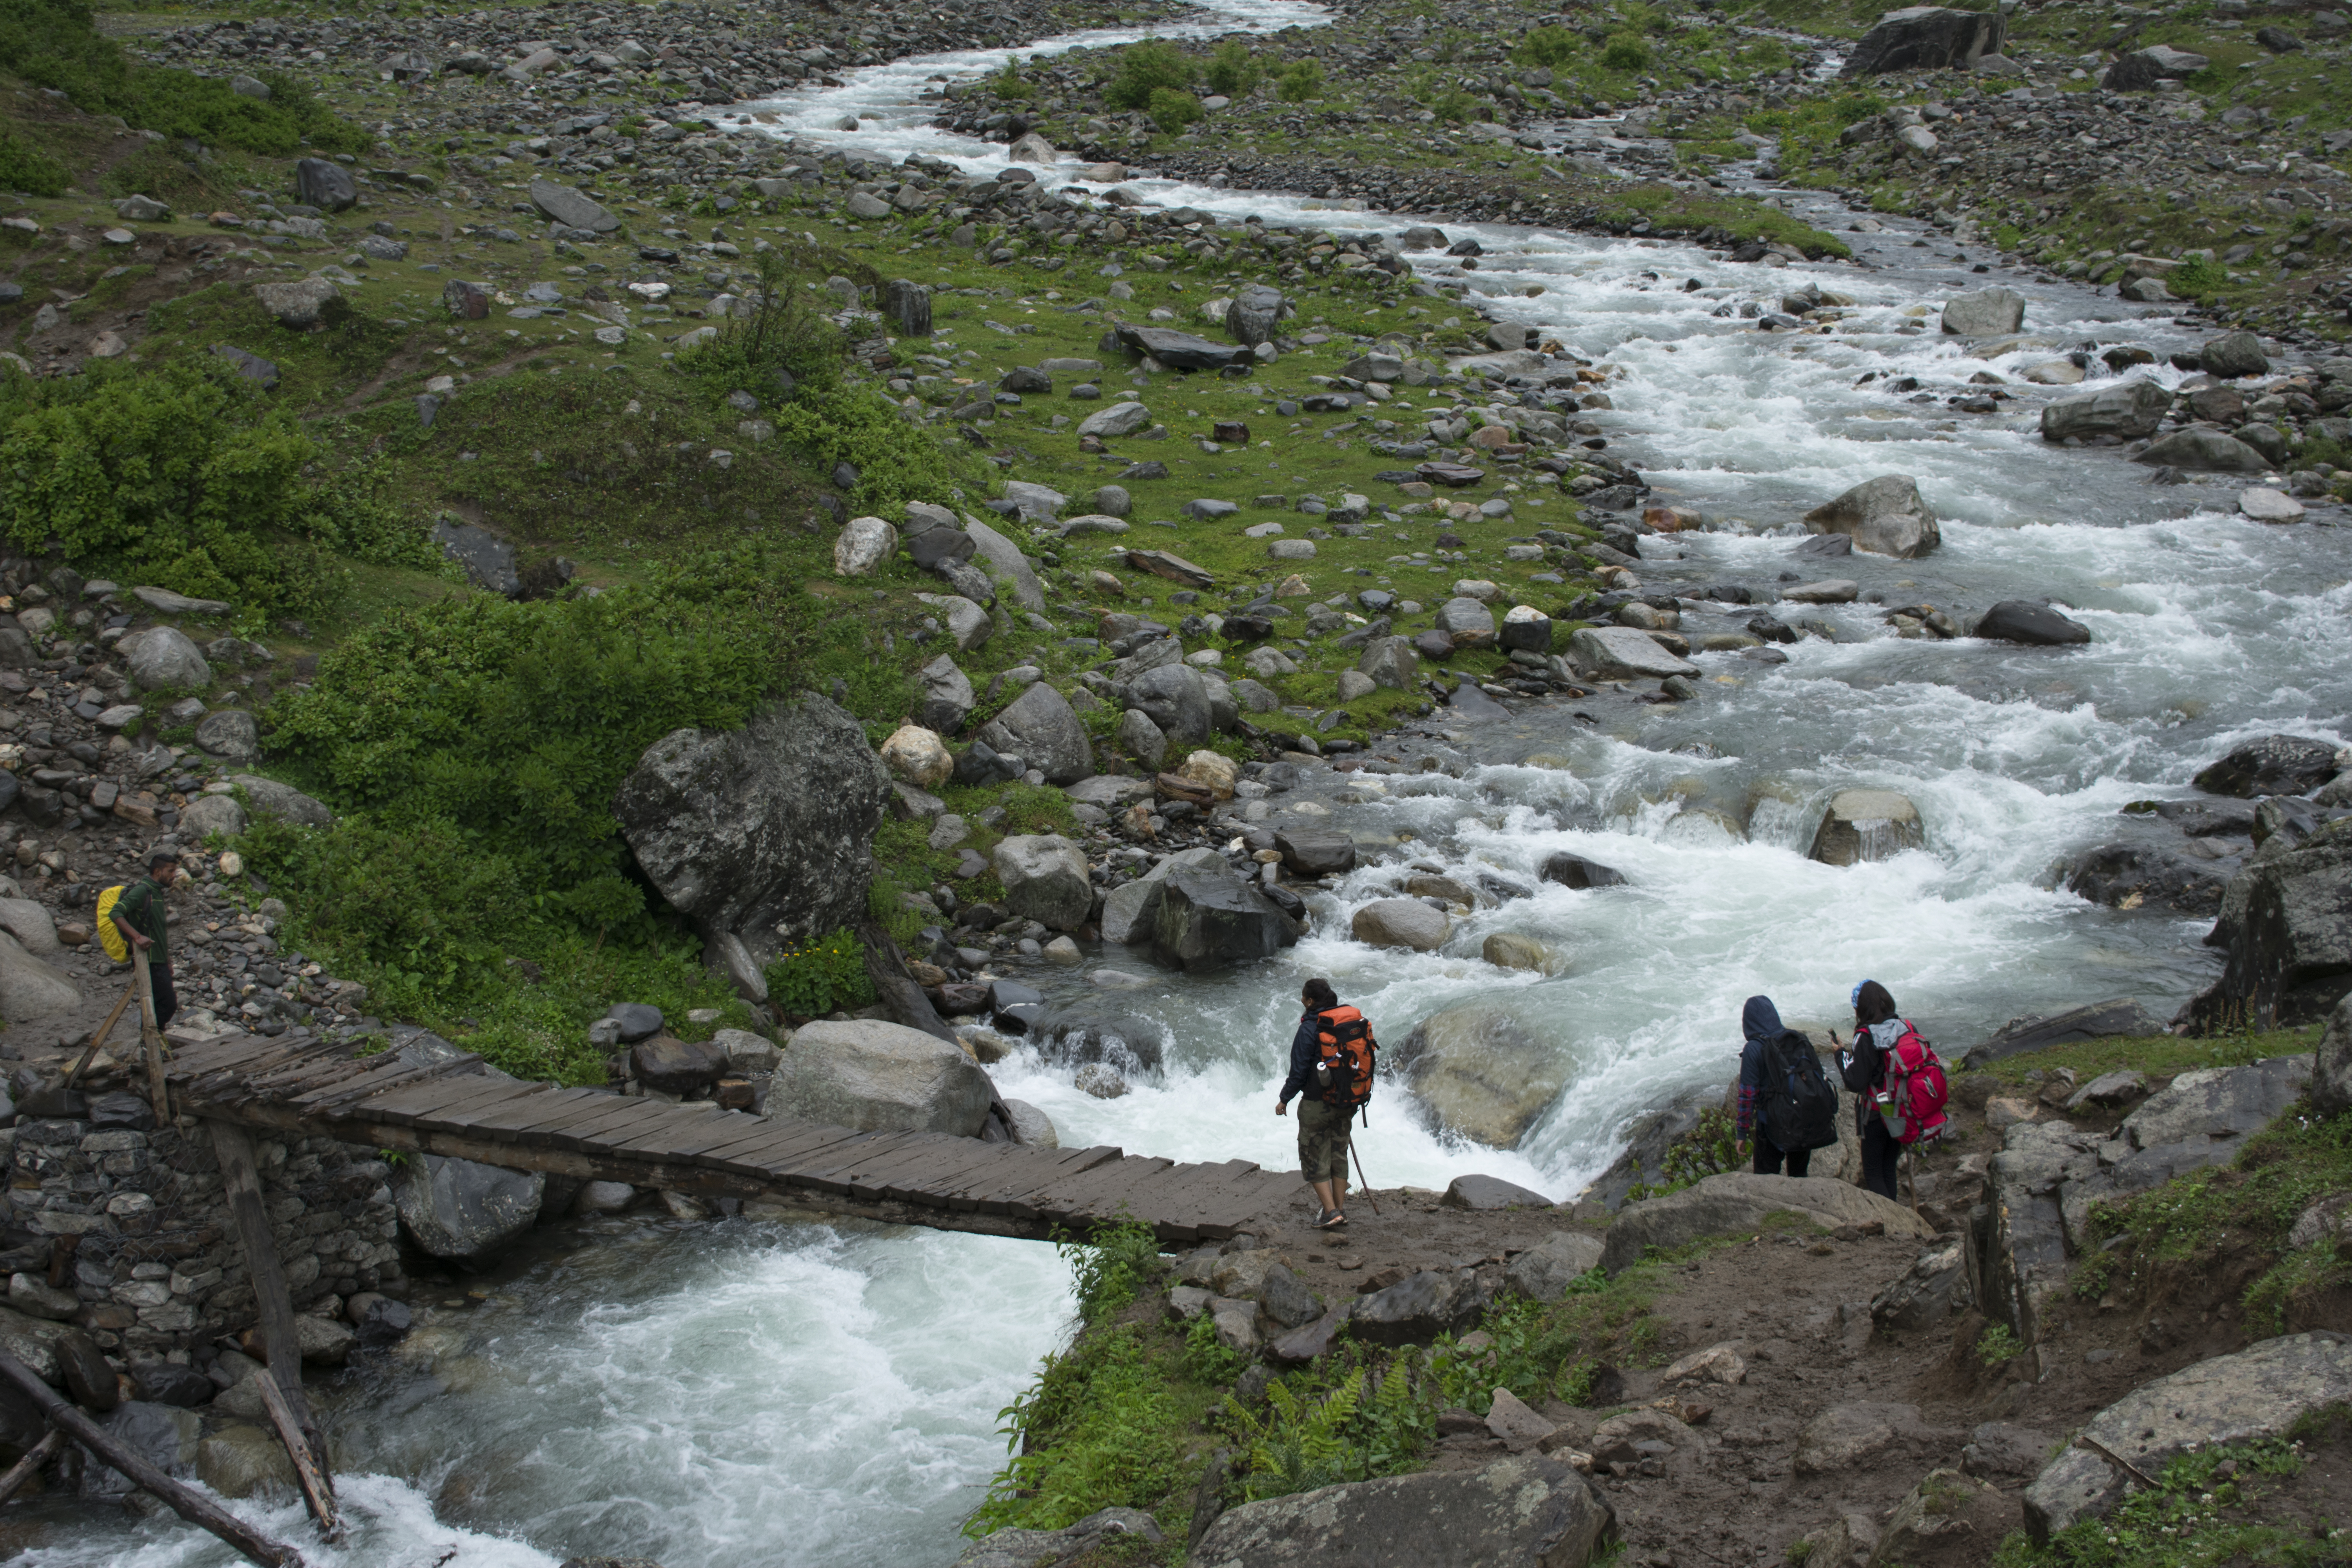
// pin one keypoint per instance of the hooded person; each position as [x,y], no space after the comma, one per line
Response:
[1876,1027]
[1760,1022]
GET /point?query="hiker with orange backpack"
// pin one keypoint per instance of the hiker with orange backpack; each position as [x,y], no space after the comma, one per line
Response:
[1331,1075]
[1900,1085]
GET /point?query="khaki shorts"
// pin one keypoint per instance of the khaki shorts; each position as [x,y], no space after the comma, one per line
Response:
[1323,1140]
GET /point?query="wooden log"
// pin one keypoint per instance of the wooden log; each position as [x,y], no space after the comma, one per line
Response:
[275,1303]
[151,1038]
[25,1469]
[188,1503]
[98,1041]
[318,1486]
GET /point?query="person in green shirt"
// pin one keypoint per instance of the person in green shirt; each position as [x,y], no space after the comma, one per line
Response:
[138,915]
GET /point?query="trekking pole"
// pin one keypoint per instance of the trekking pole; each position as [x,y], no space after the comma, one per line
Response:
[1362,1185]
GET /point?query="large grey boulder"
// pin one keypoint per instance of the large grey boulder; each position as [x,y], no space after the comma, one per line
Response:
[2025,1264]
[1934,1289]
[1868,825]
[2094,1021]
[2143,68]
[2128,410]
[1419,1308]
[877,1076]
[2284,932]
[461,1210]
[163,656]
[1926,37]
[1041,729]
[2204,451]
[29,988]
[2210,1105]
[1315,851]
[1885,516]
[1987,313]
[1526,1510]
[269,798]
[1547,1270]
[1005,560]
[2263,1391]
[210,813]
[230,734]
[1132,908]
[2331,1076]
[764,830]
[2273,765]
[2233,354]
[1118,420]
[1480,1073]
[568,207]
[1209,918]
[1175,698]
[1625,653]
[947,696]
[30,923]
[1737,1203]
[1254,313]
[1401,923]
[1029,1548]
[1045,878]
[2035,626]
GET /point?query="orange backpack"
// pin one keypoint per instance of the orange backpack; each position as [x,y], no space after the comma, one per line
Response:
[1343,1076]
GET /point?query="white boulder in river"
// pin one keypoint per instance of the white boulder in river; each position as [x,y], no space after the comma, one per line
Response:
[874,1076]
[1885,516]
[1481,1072]
[1868,825]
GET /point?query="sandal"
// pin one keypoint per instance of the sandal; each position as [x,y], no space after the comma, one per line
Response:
[1332,1220]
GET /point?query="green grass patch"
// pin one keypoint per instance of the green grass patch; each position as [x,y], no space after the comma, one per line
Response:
[2159,1056]
[24,167]
[2205,1511]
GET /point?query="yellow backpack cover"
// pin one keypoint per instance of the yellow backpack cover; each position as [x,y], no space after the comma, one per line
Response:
[107,936]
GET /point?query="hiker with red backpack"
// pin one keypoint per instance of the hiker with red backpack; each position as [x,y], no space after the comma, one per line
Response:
[1331,1077]
[1786,1104]
[1900,1084]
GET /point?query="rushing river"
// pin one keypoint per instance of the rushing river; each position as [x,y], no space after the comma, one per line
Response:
[744,1393]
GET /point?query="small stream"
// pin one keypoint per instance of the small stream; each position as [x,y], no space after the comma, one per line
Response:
[754,1393]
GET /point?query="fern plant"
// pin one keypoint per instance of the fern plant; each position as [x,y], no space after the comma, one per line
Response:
[1301,1444]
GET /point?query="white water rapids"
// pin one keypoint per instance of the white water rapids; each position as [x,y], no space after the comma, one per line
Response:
[742,1393]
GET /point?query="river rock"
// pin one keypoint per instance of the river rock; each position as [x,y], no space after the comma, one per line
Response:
[1527,1509]
[1118,420]
[1130,908]
[1545,1271]
[2203,451]
[240,1461]
[2143,68]
[29,988]
[947,696]
[2286,933]
[1401,922]
[1467,621]
[2331,1078]
[1926,37]
[1987,313]
[1209,918]
[763,830]
[2275,764]
[2264,504]
[1315,851]
[464,1211]
[1175,698]
[163,656]
[2129,410]
[1031,1548]
[230,734]
[1391,663]
[1254,313]
[1576,871]
[1886,516]
[2098,1020]
[1032,1126]
[1419,1308]
[30,923]
[1623,653]
[1479,1072]
[2233,354]
[2261,1392]
[918,756]
[678,1066]
[1044,878]
[1181,351]
[1868,825]
[877,1076]
[1737,1203]
[2023,621]
[1508,950]
[1480,1193]
[1040,727]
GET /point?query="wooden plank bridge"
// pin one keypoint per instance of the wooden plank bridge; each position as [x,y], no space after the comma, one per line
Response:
[300,1084]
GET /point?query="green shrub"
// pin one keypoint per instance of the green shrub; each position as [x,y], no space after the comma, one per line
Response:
[1998,1346]
[1146,68]
[1233,71]
[1109,1268]
[1172,110]
[24,167]
[1099,1429]
[54,44]
[1626,53]
[1010,83]
[813,978]
[896,460]
[2197,277]
[1549,46]
[1301,80]
[786,331]
[1454,107]
[178,475]
[1708,1149]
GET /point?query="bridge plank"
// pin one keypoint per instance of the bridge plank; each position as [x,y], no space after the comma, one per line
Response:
[954,1172]
[197,1060]
[660,1140]
[790,1150]
[763,1141]
[587,1134]
[727,1126]
[1094,1194]
[458,1115]
[340,1098]
[998,1200]
[896,1174]
[507,1123]
[402,1107]
[578,1105]
[826,1173]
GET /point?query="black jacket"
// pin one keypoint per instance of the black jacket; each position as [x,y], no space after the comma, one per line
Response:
[1304,1052]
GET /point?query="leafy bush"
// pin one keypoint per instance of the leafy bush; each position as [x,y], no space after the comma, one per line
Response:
[1549,45]
[1099,1429]
[1454,106]
[2197,277]
[813,978]
[1708,1149]
[1172,110]
[54,44]
[24,167]
[1998,1346]
[1316,1437]
[1626,53]
[1010,83]
[786,331]
[1146,68]
[1301,80]
[1108,1269]
[1233,71]
[181,476]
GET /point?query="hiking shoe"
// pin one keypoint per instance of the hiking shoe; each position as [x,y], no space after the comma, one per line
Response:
[1323,1218]
[1333,1219]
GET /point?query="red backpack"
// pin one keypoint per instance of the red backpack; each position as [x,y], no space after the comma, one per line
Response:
[1916,1087]
[1343,1074]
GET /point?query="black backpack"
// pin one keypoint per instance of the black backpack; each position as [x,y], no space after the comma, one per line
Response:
[1801,1109]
